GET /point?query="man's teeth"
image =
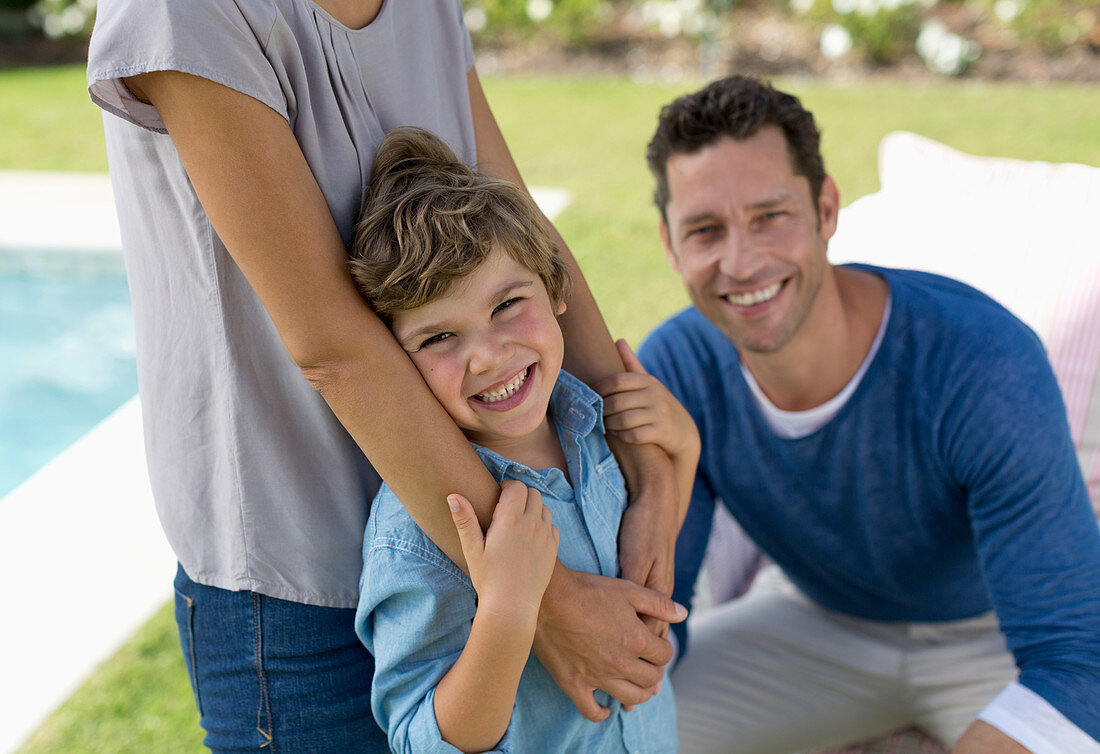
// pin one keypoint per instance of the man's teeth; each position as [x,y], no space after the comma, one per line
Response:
[754,297]
[502,392]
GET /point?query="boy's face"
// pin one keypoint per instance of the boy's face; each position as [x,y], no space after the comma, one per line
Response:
[490,349]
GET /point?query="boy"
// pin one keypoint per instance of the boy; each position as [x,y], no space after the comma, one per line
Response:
[460,267]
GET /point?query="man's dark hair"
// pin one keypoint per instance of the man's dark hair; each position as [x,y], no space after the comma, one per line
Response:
[738,107]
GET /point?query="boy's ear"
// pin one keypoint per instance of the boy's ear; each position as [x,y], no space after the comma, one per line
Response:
[561,308]
[669,253]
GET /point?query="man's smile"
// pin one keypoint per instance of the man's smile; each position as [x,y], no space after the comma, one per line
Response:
[751,298]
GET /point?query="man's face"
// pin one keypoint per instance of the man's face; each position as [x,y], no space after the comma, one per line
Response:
[490,349]
[743,232]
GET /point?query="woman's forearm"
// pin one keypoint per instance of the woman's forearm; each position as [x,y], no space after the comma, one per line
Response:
[265,205]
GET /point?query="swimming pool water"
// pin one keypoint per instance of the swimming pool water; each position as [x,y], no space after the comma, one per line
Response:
[66,362]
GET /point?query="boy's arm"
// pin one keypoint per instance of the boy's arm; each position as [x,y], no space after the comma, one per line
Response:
[639,409]
[509,566]
[590,635]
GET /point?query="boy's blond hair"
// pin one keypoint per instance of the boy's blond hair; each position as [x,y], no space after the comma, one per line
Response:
[428,220]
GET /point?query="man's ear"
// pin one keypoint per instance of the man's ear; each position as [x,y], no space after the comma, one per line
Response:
[669,253]
[828,207]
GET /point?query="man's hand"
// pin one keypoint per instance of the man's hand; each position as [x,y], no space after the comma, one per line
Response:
[590,636]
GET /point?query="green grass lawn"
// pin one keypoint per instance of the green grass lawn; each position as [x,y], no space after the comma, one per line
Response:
[588,135]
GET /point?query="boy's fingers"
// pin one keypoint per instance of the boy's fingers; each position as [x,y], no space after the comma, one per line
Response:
[469,530]
[620,383]
[534,502]
[630,361]
[513,499]
[627,418]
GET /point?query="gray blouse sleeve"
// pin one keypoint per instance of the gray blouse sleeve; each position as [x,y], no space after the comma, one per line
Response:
[220,40]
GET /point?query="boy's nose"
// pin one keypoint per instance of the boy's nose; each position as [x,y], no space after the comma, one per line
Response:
[489,353]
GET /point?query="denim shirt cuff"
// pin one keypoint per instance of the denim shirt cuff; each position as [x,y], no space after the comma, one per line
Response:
[424,735]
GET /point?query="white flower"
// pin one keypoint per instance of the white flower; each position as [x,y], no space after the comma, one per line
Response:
[844,7]
[539,10]
[476,18]
[1006,10]
[73,19]
[944,52]
[835,41]
[675,17]
[928,39]
[802,7]
[52,26]
[890,5]
[867,7]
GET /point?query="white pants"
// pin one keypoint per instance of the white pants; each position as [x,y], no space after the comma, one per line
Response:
[772,673]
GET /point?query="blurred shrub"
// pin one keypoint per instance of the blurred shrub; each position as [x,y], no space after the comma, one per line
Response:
[53,18]
[507,20]
[1053,24]
[883,31]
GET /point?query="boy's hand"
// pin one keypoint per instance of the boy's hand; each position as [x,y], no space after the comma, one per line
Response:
[640,410]
[511,564]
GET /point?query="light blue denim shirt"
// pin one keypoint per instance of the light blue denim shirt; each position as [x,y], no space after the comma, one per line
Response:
[416,607]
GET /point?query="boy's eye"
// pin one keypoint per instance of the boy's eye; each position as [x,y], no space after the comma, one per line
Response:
[505,304]
[437,338]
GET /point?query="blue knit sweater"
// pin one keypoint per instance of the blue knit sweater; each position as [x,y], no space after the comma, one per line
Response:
[946,486]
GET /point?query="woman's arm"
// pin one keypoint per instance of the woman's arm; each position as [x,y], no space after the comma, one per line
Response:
[265,205]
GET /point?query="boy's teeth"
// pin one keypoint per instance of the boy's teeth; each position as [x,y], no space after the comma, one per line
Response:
[754,297]
[502,392]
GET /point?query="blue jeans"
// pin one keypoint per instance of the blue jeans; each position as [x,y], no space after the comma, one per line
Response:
[275,676]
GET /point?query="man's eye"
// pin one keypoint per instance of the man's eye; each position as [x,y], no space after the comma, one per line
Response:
[702,230]
[505,304]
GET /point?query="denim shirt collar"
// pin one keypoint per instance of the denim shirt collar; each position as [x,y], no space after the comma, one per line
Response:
[577,411]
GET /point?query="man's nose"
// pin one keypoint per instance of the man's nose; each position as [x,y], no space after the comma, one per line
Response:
[741,256]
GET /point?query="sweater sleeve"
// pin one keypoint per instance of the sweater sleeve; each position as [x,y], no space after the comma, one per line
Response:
[1007,445]
[224,41]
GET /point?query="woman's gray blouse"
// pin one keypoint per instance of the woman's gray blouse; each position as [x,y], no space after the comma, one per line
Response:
[257,485]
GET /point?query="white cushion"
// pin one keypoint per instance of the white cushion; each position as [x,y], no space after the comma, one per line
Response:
[1023,232]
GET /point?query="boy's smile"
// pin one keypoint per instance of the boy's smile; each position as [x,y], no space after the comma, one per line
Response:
[490,350]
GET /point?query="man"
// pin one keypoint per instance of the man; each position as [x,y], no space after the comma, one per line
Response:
[895,441]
